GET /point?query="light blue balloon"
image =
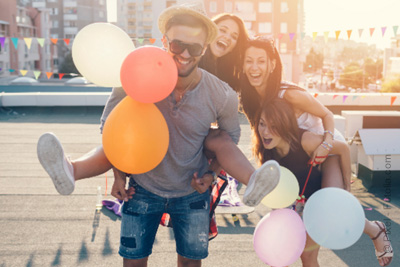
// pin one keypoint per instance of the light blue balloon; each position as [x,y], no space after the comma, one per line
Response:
[334,218]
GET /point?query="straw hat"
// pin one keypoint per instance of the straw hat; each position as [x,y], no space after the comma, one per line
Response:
[195,9]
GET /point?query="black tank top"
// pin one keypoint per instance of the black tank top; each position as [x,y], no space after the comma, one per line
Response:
[296,161]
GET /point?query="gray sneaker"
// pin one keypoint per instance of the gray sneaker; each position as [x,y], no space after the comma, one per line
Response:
[51,155]
[261,183]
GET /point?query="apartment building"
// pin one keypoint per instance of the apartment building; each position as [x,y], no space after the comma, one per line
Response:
[67,17]
[20,26]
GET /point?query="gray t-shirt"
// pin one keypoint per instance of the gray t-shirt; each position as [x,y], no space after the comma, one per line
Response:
[188,123]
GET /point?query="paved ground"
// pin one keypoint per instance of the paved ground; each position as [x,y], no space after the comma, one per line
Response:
[38,227]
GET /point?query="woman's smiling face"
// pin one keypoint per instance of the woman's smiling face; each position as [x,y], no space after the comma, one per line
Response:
[268,136]
[257,67]
[226,40]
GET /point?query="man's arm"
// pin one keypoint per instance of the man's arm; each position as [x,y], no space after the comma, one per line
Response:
[116,96]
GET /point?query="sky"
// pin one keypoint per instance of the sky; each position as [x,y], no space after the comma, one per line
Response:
[343,15]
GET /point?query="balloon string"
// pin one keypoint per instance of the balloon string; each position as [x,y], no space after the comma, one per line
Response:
[105,194]
[305,184]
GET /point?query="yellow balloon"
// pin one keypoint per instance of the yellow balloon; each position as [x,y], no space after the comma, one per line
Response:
[98,51]
[285,193]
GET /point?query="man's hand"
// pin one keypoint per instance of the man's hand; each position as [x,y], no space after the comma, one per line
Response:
[201,184]
[118,189]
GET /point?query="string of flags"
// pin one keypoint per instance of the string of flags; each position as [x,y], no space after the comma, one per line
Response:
[292,35]
[355,97]
[37,73]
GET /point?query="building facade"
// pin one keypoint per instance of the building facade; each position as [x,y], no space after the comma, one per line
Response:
[67,17]
[20,26]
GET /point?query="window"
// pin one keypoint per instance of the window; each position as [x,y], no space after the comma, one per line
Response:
[284,7]
[213,7]
[283,27]
[55,24]
[265,7]
[283,48]
[54,11]
[244,7]
[264,27]
[228,7]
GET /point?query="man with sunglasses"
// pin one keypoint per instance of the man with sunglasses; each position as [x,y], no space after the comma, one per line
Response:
[198,100]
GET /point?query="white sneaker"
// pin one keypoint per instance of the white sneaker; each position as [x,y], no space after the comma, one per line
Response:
[261,183]
[51,155]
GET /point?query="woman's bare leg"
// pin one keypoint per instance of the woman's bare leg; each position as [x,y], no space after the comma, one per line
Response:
[309,257]
[333,178]
[220,145]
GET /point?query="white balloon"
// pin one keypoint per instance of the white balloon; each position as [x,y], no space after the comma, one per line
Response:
[334,218]
[98,51]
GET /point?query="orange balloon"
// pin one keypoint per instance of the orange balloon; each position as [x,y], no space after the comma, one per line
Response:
[149,74]
[135,136]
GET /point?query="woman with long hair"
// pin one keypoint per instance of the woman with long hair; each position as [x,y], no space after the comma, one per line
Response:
[277,136]
[262,80]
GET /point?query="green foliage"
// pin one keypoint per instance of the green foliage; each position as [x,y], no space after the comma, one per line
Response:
[357,76]
[352,76]
[373,69]
[314,61]
[68,65]
[391,85]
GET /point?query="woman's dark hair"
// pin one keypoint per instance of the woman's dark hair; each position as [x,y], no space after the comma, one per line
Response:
[249,97]
[281,120]
[228,67]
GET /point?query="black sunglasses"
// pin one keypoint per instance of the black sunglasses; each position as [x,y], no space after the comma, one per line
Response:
[178,47]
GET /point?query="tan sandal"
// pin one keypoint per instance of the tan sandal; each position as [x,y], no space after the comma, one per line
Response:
[388,250]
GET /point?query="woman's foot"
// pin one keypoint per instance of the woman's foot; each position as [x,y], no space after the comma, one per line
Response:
[383,247]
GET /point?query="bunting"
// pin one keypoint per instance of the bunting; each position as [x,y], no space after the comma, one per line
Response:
[152,40]
[337,33]
[371,31]
[23,72]
[326,36]
[392,99]
[395,28]
[314,35]
[37,74]
[28,42]
[40,41]
[49,74]
[360,32]
[383,29]
[54,40]
[291,36]
[14,41]
[349,34]
[2,40]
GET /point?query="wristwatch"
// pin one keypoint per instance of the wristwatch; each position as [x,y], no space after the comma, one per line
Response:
[214,175]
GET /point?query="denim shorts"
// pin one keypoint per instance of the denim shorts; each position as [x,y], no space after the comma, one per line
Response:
[141,217]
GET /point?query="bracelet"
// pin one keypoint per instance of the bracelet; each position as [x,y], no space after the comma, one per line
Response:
[329,132]
[327,146]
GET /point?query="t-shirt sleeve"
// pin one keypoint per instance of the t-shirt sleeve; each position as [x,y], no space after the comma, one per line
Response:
[116,96]
[228,119]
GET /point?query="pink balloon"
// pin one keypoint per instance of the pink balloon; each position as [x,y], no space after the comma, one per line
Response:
[149,74]
[280,237]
